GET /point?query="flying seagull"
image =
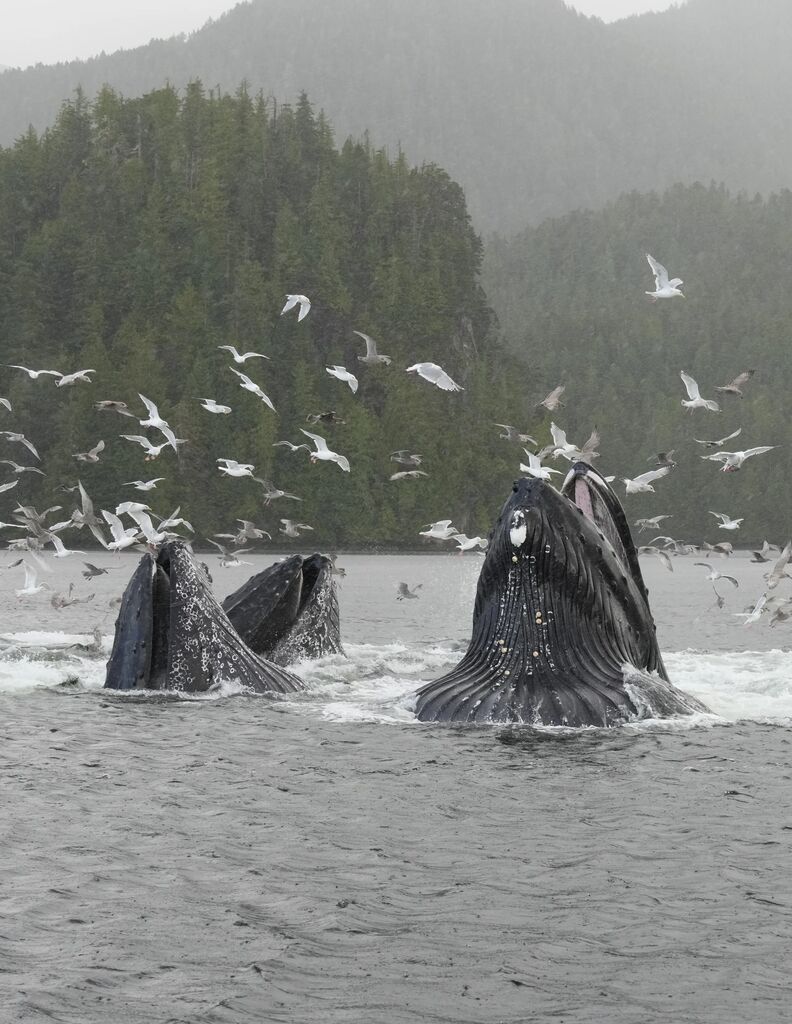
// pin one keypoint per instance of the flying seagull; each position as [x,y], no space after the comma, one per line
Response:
[68,379]
[253,388]
[241,358]
[733,461]
[9,435]
[644,481]
[298,300]
[108,405]
[435,375]
[552,401]
[735,387]
[92,455]
[403,591]
[211,406]
[722,441]
[34,374]
[696,401]
[342,373]
[725,522]
[372,356]
[323,453]
[664,289]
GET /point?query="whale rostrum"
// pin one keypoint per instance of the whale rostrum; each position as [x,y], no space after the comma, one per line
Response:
[562,631]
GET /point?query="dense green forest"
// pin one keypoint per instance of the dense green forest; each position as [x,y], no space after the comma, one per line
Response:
[535,109]
[570,297]
[138,235]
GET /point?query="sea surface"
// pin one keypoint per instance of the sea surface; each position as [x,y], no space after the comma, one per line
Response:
[328,860]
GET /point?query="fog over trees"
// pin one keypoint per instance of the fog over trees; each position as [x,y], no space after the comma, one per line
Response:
[532,107]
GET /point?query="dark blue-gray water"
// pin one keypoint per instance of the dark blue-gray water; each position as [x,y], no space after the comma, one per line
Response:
[327,859]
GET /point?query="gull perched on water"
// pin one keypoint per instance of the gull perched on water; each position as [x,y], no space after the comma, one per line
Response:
[713,574]
[644,481]
[435,375]
[535,467]
[407,474]
[342,373]
[735,387]
[34,374]
[297,300]
[664,289]
[108,405]
[67,379]
[243,357]
[725,522]
[696,401]
[513,434]
[157,422]
[211,406]
[9,435]
[441,530]
[292,529]
[403,592]
[234,468]
[20,469]
[252,387]
[722,441]
[323,453]
[92,455]
[732,461]
[144,485]
[372,356]
[552,401]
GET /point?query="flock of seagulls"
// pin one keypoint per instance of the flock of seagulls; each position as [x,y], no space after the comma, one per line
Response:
[132,524]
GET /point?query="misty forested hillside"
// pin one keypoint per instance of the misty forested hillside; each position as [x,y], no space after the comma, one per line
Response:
[571,299]
[533,108]
[137,236]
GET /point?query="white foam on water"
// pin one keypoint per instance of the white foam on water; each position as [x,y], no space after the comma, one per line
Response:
[377,683]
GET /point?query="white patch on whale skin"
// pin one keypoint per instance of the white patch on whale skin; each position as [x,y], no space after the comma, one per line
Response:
[518,529]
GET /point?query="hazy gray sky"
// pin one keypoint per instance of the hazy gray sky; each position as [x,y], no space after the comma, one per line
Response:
[47,31]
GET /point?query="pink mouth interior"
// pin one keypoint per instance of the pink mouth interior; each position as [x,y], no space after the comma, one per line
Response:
[583,498]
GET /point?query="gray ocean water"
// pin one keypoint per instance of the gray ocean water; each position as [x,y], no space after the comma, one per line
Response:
[327,859]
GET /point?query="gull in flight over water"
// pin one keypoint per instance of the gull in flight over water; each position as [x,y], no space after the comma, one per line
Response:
[144,485]
[292,447]
[441,530]
[20,469]
[292,529]
[435,375]
[651,524]
[241,358]
[713,574]
[342,373]
[512,434]
[372,356]
[535,467]
[408,474]
[403,592]
[298,300]
[725,522]
[32,586]
[723,440]
[664,289]
[644,481]
[733,461]
[252,387]
[552,401]
[323,453]
[211,406]
[9,435]
[157,422]
[696,401]
[108,405]
[153,451]
[465,543]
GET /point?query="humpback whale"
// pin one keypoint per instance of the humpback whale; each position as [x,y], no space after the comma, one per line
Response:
[171,634]
[562,631]
[289,611]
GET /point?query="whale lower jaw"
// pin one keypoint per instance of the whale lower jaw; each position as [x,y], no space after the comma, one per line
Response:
[474,693]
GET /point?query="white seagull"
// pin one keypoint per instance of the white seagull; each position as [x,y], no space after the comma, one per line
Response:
[211,406]
[34,374]
[157,422]
[144,485]
[92,455]
[435,375]
[234,468]
[32,586]
[664,289]
[441,530]
[644,481]
[323,453]
[67,379]
[20,469]
[403,592]
[713,574]
[243,357]
[252,387]
[9,435]
[465,543]
[733,461]
[696,401]
[298,300]
[725,522]
[721,442]
[153,451]
[342,373]
[372,356]
[535,467]
[292,529]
